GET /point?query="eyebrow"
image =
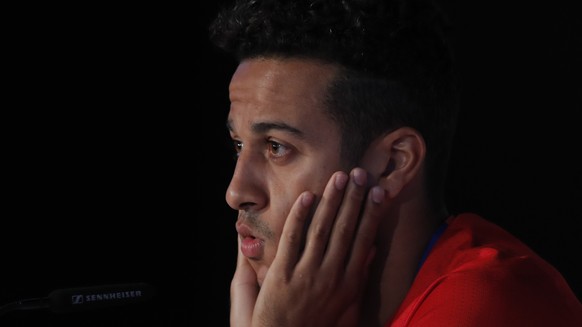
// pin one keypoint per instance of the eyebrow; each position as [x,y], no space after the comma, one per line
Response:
[264,127]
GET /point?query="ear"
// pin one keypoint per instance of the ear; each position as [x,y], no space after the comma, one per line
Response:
[395,159]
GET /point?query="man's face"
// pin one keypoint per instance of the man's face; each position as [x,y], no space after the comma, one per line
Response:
[286,144]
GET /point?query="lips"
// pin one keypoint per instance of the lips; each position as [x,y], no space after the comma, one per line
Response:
[251,246]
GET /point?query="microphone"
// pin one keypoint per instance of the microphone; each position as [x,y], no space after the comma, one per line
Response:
[86,298]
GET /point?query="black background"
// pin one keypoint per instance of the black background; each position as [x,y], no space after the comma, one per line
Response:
[116,158]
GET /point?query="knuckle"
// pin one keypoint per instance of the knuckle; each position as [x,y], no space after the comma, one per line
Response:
[292,237]
[345,231]
[318,233]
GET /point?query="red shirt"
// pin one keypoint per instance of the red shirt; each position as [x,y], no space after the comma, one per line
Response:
[477,274]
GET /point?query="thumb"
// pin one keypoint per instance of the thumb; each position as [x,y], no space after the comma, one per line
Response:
[243,292]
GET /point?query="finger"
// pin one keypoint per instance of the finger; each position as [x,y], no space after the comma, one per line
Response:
[323,219]
[344,227]
[367,231]
[292,235]
[243,292]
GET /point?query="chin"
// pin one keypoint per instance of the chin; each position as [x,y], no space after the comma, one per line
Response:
[261,274]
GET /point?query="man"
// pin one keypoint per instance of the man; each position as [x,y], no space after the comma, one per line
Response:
[342,115]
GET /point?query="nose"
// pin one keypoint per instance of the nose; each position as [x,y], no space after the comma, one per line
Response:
[246,185]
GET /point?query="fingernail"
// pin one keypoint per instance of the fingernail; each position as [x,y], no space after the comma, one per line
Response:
[359,177]
[307,199]
[341,181]
[378,194]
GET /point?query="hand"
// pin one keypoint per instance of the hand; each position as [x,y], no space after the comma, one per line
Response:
[322,284]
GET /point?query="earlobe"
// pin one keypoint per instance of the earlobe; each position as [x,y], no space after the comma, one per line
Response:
[406,152]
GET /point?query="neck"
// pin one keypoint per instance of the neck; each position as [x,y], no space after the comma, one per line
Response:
[401,244]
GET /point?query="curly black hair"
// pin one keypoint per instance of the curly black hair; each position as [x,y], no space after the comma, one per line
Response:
[397,65]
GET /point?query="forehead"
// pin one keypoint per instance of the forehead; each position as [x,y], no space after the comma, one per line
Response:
[302,81]
[290,90]
[275,73]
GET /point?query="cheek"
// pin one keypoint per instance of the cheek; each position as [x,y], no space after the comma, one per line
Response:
[276,226]
[280,208]
[285,189]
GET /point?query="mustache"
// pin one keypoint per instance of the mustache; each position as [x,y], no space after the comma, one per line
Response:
[256,224]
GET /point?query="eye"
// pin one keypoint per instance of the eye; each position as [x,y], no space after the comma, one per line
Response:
[237,147]
[277,149]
